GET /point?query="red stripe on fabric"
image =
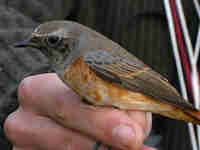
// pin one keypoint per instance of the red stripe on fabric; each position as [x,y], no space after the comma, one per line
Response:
[182,51]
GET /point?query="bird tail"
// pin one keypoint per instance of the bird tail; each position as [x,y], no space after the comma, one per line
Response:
[192,116]
[187,115]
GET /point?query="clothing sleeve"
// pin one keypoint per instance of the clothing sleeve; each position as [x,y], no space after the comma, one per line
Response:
[17,20]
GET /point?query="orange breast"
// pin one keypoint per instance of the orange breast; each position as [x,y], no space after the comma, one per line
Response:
[96,90]
[88,85]
[100,92]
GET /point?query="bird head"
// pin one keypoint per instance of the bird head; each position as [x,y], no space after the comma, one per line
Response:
[63,41]
[57,40]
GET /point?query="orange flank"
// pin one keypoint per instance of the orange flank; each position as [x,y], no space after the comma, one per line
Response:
[103,93]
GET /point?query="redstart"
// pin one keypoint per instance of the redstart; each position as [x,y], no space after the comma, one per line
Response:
[104,73]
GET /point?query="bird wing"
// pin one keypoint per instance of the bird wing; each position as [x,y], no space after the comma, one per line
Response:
[133,75]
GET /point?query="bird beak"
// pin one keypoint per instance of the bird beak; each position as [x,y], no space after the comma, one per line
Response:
[25,43]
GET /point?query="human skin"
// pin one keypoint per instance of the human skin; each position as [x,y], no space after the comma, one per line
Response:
[51,116]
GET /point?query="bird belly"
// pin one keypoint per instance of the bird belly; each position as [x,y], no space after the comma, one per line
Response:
[103,93]
[100,92]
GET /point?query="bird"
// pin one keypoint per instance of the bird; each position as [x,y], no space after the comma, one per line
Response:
[103,73]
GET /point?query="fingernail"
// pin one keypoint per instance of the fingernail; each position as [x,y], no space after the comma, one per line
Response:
[23,87]
[26,81]
[123,134]
[149,123]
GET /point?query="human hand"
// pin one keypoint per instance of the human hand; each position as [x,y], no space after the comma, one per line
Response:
[51,116]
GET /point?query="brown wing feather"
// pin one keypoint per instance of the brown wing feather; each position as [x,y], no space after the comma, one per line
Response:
[133,75]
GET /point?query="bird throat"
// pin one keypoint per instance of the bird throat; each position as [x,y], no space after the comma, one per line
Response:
[62,63]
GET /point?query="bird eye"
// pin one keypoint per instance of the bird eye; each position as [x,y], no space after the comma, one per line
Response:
[53,41]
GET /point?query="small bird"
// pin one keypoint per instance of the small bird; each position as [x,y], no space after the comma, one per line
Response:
[104,73]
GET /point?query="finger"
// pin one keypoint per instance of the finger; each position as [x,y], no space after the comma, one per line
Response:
[48,95]
[30,132]
[145,122]
[23,148]
[18,148]
[147,148]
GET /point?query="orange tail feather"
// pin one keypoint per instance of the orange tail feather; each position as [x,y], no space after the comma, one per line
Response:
[194,116]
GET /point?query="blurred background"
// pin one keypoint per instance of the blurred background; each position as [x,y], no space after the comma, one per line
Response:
[140,26]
